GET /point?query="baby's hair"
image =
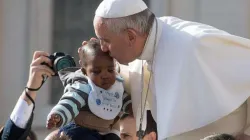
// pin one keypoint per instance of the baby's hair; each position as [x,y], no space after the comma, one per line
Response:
[93,47]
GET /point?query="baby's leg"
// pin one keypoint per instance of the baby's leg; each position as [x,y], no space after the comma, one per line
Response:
[75,131]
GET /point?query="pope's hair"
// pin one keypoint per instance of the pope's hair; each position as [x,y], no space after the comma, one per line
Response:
[141,22]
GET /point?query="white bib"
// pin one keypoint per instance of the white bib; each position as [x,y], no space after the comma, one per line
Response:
[106,104]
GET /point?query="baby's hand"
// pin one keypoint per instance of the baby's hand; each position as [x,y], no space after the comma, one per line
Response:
[54,120]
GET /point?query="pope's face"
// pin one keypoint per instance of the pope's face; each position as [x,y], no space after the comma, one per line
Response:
[117,44]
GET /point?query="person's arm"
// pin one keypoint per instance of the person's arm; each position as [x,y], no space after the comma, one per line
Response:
[19,124]
[67,108]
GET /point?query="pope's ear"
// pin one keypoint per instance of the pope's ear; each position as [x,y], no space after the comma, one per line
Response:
[131,34]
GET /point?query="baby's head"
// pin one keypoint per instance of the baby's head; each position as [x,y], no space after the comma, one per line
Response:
[97,65]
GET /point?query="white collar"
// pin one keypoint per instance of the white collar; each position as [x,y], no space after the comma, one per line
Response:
[147,53]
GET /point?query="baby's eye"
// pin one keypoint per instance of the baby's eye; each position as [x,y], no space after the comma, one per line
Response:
[96,72]
[111,70]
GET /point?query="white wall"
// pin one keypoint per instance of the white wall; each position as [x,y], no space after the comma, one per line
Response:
[185,9]
[13,54]
[1,46]
[27,27]
[1,28]
[230,15]
[160,7]
[40,19]
[234,18]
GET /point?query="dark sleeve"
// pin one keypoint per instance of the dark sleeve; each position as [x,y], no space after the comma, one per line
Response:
[13,132]
[70,75]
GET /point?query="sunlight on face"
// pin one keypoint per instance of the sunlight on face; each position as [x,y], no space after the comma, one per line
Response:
[116,44]
[128,129]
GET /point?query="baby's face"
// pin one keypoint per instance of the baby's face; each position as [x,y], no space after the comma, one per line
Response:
[101,70]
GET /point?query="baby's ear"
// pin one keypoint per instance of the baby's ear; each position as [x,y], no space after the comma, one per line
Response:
[83,70]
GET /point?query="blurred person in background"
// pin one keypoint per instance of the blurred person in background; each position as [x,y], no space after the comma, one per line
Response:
[128,127]
[220,137]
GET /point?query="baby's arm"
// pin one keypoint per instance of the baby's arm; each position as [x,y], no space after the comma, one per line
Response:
[68,107]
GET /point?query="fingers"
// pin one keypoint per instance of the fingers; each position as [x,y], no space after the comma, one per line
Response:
[39,53]
[62,134]
[84,43]
[57,118]
[38,72]
[50,125]
[42,70]
[93,38]
[37,67]
[53,121]
[79,49]
[40,60]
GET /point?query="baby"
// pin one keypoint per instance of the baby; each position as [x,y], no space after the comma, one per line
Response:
[96,89]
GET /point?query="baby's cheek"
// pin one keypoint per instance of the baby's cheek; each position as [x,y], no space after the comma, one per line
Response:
[96,80]
[113,79]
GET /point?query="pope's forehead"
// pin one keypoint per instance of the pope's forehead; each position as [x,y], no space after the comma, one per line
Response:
[98,21]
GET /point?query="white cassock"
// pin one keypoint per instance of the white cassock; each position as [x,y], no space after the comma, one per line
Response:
[200,74]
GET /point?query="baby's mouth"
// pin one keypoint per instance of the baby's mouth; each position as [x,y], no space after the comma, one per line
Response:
[106,85]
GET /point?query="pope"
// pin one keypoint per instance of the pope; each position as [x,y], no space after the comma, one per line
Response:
[194,78]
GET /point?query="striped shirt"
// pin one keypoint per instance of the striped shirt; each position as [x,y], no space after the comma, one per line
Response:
[75,97]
